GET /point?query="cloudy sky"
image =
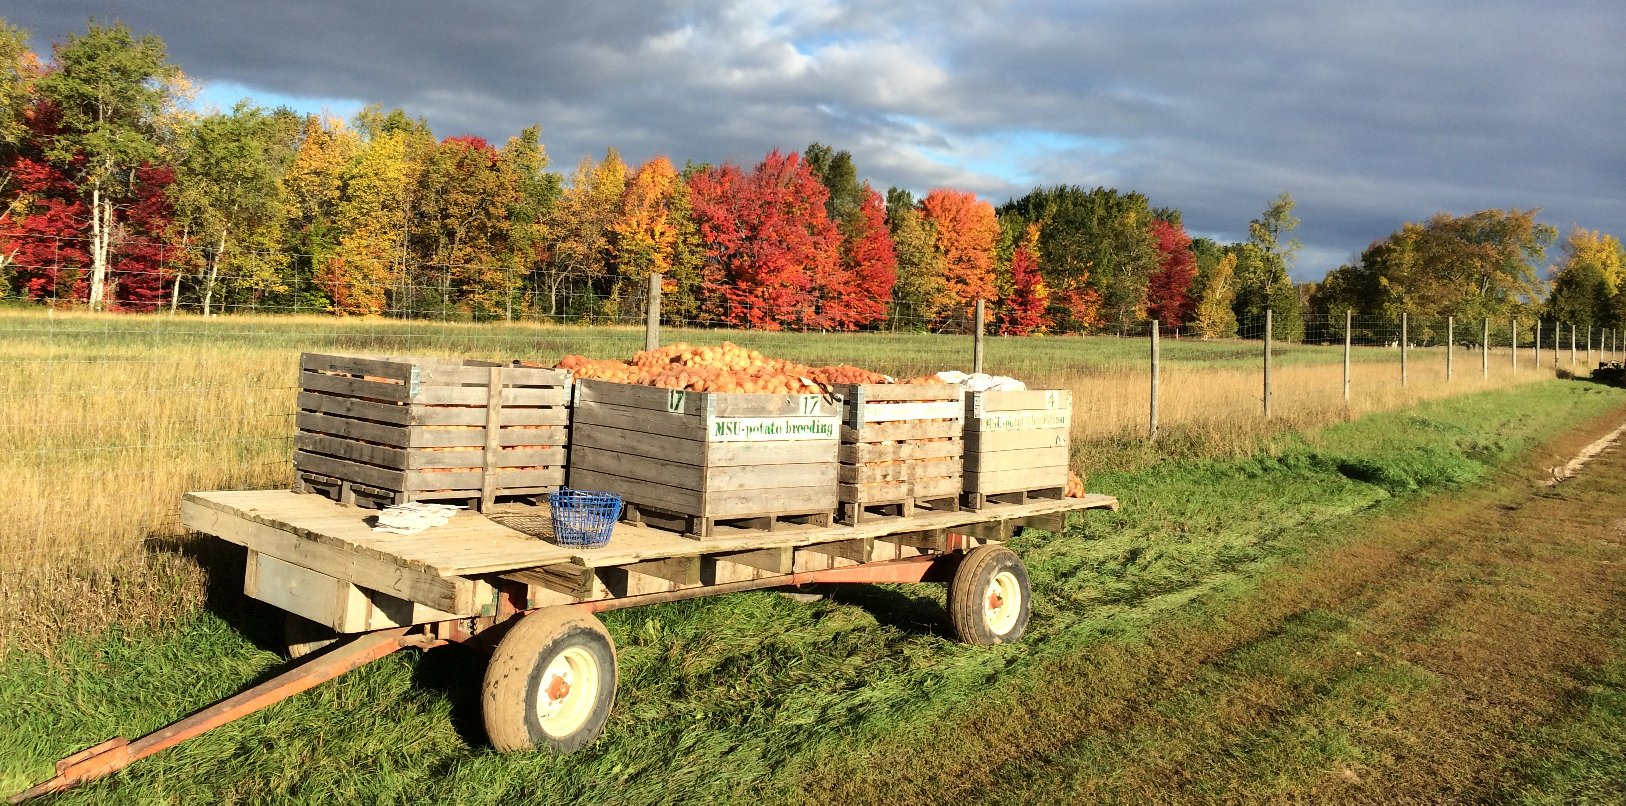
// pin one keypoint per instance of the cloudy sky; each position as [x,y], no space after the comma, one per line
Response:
[1370,113]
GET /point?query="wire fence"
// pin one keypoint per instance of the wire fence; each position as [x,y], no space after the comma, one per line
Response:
[106,420]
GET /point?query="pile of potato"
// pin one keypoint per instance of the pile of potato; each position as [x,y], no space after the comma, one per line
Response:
[726,367]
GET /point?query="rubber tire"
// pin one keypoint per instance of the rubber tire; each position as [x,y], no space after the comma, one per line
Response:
[306,637]
[513,680]
[967,590]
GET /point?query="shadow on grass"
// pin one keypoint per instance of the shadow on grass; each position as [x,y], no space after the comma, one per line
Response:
[896,606]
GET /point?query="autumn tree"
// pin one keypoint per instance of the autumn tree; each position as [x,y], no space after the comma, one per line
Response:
[314,188]
[536,191]
[1214,316]
[1168,291]
[40,229]
[1480,265]
[19,68]
[1095,251]
[859,292]
[460,224]
[372,216]
[1262,281]
[919,267]
[645,238]
[767,238]
[110,90]
[1022,307]
[229,195]
[965,231]
[579,229]
[1587,284]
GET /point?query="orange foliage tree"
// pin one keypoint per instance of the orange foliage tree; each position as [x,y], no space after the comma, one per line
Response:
[966,232]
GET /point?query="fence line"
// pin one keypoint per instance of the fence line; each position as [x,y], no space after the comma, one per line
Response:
[119,409]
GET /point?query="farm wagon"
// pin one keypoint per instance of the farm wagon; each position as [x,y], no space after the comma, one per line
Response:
[485,579]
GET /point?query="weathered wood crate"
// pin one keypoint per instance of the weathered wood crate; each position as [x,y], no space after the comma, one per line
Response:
[1016,446]
[901,447]
[694,461]
[380,430]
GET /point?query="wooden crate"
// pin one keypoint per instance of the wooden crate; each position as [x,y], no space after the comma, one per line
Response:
[901,447]
[691,461]
[380,430]
[1016,446]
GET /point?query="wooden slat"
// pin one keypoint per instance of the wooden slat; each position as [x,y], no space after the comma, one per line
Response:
[1025,420]
[904,430]
[893,392]
[449,595]
[867,452]
[990,441]
[701,453]
[1031,400]
[704,479]
[353,387]
[1000,481]
[952,410]
[990,461]
[901,471]
[376,366]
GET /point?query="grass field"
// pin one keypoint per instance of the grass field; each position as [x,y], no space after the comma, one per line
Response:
[105,420]
[1259,626]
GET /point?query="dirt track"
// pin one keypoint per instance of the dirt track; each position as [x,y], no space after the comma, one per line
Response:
[1442,653]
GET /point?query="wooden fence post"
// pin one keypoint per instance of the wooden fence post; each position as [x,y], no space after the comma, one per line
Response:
[1572,345]
[1589,346]
[652,316]
[1515,341]
[1267,362]
[1450,346]
[1403,338]
[1349,320]
[1484,352]
[1156,366]
[1538,343]
[976,342]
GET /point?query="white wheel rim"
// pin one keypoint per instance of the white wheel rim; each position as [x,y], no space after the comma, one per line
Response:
[567,691]
[1002,603]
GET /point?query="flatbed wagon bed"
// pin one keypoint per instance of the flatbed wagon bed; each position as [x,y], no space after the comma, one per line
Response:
[455,570]
[552,677]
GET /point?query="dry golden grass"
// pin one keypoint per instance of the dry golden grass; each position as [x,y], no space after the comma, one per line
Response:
[106,420]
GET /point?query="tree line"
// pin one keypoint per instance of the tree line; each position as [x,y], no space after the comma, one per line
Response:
[115,195]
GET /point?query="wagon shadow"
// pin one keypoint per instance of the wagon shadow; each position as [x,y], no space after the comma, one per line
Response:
[222,564]
[894,607]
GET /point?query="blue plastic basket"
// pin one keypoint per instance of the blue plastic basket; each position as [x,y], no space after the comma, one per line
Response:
[583,518]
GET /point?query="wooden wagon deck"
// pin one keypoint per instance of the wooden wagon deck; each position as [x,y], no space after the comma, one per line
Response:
[301,546]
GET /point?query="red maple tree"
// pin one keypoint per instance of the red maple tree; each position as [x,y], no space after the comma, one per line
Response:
[857,292]
[1168,290]
[1022,311]
[767,237]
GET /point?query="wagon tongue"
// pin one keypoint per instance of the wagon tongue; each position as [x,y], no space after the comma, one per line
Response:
[116,754]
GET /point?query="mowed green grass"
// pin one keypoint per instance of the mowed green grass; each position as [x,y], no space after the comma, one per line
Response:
[863,697]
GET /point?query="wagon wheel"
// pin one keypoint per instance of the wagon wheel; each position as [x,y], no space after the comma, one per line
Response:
[989,598]
[551,682]
[304,636]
